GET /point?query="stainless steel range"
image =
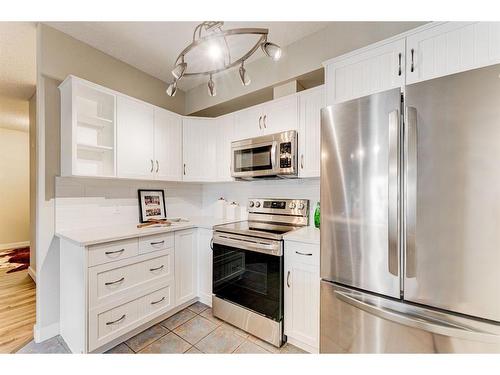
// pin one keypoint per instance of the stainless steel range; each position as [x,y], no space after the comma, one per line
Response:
[248,266]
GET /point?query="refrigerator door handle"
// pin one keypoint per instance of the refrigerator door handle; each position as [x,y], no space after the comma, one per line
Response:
[393,224]
[412,319]
[411,191]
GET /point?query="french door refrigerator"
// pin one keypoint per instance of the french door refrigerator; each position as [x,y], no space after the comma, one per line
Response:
[410,218]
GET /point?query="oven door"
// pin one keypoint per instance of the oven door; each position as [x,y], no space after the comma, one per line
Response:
[254,160]
[248,272]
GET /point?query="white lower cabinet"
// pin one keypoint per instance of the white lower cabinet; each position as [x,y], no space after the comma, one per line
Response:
[186,266]
[205,256]
[302,283]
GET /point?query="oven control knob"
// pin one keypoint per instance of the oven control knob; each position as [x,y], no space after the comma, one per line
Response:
[301,206]
[292,205]
[257,204]
[250,204]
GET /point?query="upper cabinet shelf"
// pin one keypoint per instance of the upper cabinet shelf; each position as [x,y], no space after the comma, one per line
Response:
[93,121]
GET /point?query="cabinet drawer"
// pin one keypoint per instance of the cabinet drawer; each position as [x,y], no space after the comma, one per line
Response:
[112,251]
[158,267]
[114,282]
[109,324]
[157,242]
[302,252]
[162,299]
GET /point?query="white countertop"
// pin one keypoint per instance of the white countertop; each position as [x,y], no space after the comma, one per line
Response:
[108,233]
[308,234]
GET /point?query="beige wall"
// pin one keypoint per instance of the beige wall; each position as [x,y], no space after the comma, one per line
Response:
[14,187]
[298,58]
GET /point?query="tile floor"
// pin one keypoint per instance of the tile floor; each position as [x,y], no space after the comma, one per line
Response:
[193,330]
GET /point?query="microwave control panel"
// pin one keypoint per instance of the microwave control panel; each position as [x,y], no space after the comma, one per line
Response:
[286,155]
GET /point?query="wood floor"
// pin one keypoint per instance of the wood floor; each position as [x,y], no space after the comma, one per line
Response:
[17,310]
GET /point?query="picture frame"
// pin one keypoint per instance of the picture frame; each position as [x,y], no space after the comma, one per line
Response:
[151,205]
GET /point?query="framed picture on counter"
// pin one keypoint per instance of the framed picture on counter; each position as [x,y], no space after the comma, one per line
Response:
[151,205]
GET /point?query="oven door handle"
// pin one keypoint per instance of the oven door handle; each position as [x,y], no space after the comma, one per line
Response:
[259,247]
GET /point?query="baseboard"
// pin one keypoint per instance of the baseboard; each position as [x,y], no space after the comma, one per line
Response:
[32,273]
[45,333]
[299,344]
[14,245]
[207,300]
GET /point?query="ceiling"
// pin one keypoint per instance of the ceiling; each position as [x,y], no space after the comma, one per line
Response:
[17,72]
[153,46]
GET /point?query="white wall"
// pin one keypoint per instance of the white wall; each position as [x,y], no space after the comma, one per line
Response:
[14,188]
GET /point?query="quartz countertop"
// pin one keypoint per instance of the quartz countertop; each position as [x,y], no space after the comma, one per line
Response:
[108,233]
[307,234]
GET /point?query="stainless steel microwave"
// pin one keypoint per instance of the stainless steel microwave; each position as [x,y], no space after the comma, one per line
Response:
[273,155]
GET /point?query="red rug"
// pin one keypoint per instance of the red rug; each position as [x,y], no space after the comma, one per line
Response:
[15,259]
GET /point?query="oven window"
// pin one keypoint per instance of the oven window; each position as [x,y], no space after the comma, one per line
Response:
[249,279]
[253,159]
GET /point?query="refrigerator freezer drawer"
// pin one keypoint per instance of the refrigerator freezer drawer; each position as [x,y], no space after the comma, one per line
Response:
[356,322]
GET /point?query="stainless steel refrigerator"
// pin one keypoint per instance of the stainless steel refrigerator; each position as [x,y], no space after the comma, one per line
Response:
[410,218]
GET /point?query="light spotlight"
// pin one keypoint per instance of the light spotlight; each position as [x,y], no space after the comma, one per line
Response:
[211,87]
[272,50]
[179,69]
[172,89]
[244,77]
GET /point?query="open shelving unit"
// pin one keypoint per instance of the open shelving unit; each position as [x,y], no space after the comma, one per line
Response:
[91,111]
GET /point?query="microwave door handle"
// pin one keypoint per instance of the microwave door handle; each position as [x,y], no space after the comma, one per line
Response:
[273,155]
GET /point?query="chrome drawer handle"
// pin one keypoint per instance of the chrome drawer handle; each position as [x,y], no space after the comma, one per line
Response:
[115,282]
[157,268]
[114,252]
[160,300]
[117,320]
[288,279]
[157,243]
[306,254]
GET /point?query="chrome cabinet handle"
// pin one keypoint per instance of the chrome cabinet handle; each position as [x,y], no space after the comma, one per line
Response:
[399,70]
[212,244]
[157,243]
[288,279]
[114,252]
[114,282]
[157,166]
[157,268]
[264,122]
[184,169]
[117,320]
[152,166]
[412,61]
[160,300]
[306,254]
[302,161]
[260,124]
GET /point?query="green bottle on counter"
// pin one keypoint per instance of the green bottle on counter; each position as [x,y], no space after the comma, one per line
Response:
[317,216]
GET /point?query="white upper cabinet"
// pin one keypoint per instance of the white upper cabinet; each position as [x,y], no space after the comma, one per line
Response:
[135,139]
[280,115]
[310,104]
[371,70]
[248,123]
[167,145]
[451,47]
[225,130]
[198,147]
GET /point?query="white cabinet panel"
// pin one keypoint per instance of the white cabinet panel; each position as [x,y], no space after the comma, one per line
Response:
[225,125]
[248,123]
[450,48]
[205,255]
[167,145]
[280,115]
[199,144]
[186,266]
[378,69]
[310,104]
[302,300]
[135,139]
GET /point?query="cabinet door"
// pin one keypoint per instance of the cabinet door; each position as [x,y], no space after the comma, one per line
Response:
[311,102]
[134,143]
[302,284]
[223,147]
[199,143]
[248,123]
[186,266]
[205,266]
[450,48]
[280,115]
[168,145]
[376,70]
